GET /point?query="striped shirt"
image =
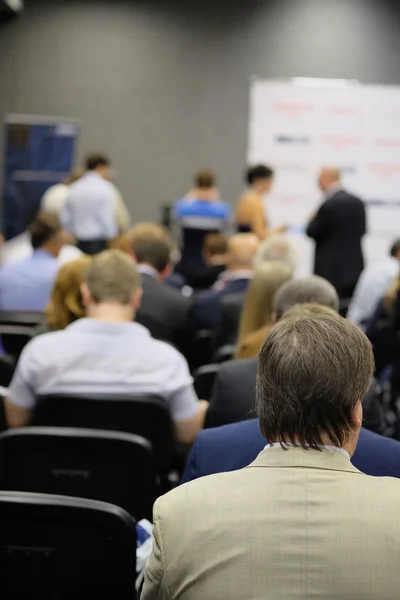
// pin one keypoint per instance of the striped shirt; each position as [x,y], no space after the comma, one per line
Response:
[27,284]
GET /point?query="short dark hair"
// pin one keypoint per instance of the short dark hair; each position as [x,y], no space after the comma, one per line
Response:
[312,370]
[307,290]
[151,244]
[258,172]
[205,179]
[216,243]
[395,249]
[95,160]
[43,227]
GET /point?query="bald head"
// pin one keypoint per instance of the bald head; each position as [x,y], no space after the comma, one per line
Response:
[328,176]
[242,249]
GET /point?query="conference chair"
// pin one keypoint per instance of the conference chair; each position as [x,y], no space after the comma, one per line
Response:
[204,379]
[202,348]
[57,547]
[22,318]
[146,416]
[15,337]
[225,353]
[109,466]
[231,308]
[7,367]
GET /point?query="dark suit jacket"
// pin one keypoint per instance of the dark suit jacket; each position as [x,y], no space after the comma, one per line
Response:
[166,313]
[337,230]
[235,446]
[231,309]
[208,304]
[234,393]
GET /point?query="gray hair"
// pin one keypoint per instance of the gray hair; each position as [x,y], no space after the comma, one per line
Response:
[308,290]
[277,248]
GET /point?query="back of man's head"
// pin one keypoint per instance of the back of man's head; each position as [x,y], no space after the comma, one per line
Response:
[204,179]
[96,160]
[307,290]
[112,278]
[395,249]
[277,248]
[313,371]
[242,249]
[45,230]
[151,245]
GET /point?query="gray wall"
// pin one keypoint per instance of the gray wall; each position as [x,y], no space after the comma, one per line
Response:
[163,86]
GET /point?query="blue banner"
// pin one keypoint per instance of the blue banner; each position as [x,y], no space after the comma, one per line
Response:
[37,155]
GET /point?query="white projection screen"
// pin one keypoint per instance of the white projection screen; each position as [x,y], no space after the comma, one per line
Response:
[297,126]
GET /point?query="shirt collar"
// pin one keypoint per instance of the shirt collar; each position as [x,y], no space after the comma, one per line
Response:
[325,447]
[148,270]
[40,253]
[87,325]
[234,275]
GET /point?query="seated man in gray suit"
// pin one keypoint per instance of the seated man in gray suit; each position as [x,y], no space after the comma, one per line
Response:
[301,521]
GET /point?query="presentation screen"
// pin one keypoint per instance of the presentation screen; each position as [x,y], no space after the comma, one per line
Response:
[300,125]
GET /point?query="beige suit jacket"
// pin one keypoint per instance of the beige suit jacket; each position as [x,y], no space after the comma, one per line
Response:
[294,525]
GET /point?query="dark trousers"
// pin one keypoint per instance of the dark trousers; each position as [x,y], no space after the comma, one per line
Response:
[93,246]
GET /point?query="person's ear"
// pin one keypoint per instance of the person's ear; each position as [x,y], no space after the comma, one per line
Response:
[86,295]
[136,298]
[166,272]
[357,414]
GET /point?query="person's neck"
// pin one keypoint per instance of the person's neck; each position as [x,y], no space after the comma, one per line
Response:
[332,187]
[255,189]
[203,195]
[349,446]
[237,268]
[111,312]
[50,250]
[217,261]
[147,268]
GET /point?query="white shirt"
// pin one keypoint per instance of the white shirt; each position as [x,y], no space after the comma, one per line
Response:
[20,247]
[325,447]
[53,199]
[95,357]
[371,287]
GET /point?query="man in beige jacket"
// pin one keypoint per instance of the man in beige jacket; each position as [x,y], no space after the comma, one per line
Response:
[300,522]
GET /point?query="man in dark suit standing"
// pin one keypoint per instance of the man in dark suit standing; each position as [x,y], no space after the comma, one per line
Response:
[338,228]
[164,311]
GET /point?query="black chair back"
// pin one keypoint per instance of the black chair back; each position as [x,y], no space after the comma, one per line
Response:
[108,466]
[55,547]
[15,337]
[148,417]
[7,368]
[22,318]
[204,379]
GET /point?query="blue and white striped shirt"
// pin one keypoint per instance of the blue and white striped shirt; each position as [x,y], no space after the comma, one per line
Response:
[89,212]
[27,284]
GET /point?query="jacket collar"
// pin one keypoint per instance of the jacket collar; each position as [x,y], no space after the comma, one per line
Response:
[299,457]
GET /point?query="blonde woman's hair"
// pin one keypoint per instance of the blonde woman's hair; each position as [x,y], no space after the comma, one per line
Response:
[258,306]
[65,305]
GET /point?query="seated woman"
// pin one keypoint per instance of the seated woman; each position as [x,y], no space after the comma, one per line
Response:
[257,314]
[65,305]
[250,211]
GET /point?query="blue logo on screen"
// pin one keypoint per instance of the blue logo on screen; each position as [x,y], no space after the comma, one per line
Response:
[292,139]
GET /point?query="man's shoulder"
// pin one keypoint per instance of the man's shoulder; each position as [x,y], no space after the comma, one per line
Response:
[52,342]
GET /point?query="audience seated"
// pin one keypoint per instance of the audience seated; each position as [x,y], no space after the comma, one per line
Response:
[26,285]
[372,285]
[164,311]
[257,313]
[233,395]
[241,252]
[302,488]
[106,353]
[215,255]
[66,302]
[201,212]
[276,248]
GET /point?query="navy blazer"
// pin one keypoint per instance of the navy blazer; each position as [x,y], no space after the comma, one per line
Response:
[235,446]
[208,304]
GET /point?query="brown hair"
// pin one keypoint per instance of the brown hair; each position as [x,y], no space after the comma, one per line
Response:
[205,179]
[44,226]
[95,160]
[312,370]
[216,244]
[65,305]
[258,306]
[152,245]
[112,277]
